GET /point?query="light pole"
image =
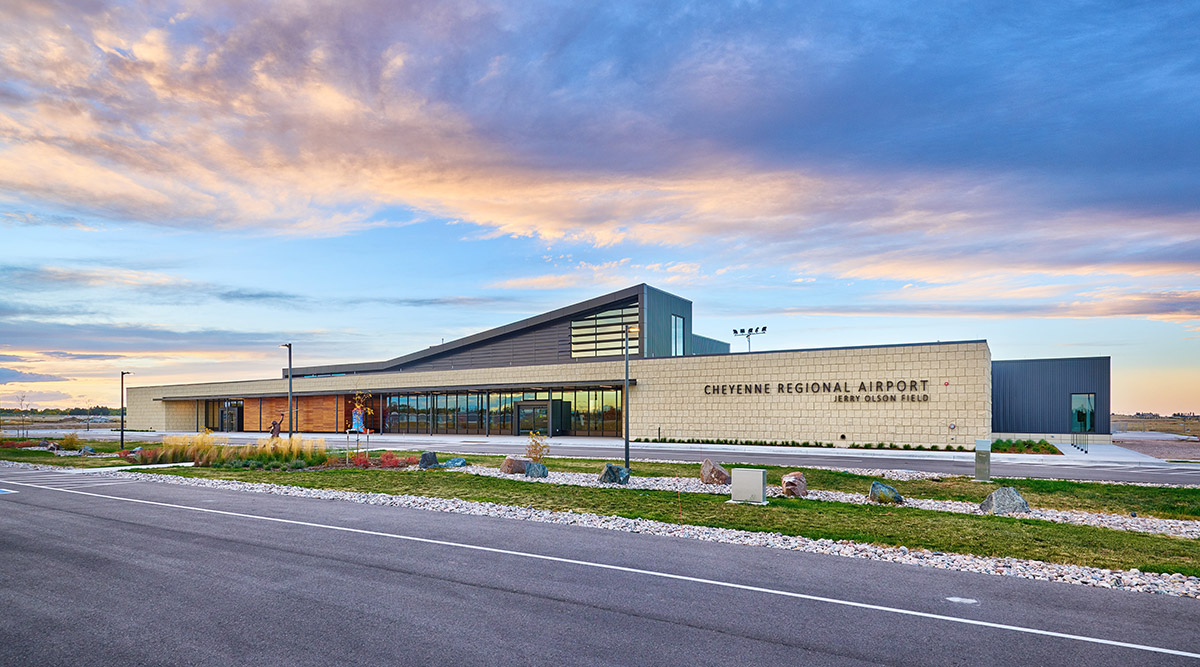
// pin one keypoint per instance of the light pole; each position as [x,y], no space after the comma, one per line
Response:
[123,374]
[747,333]
[629,329]
[289,347]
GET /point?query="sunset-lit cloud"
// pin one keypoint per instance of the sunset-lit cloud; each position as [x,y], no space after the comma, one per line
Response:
[205,176]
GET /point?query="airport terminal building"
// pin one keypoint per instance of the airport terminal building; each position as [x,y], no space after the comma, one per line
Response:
[563,373]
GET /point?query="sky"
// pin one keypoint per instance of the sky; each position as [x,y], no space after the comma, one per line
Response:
[186,185]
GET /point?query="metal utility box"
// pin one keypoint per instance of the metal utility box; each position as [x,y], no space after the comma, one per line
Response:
[749,486]
[983,460]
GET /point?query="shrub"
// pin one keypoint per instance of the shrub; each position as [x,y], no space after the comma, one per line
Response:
[389,459]
[537,448]
[70,441]
[961,448]
[908,446]
[361,460]
[297,464]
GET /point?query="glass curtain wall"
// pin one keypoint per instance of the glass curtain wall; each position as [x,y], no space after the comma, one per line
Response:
[593,412]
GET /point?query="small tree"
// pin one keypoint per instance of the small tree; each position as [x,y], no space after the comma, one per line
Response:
[537,448]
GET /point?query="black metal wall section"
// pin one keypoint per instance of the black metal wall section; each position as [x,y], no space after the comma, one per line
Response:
[1034,395]
[548,344]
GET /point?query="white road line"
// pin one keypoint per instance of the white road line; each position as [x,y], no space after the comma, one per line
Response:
[649,573]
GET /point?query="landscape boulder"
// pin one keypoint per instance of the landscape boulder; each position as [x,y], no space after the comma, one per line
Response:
[795,485]
[535,469]
[713,473]
[882,493]
[136,449]
[513,465]
[614,474]
[428,460]
[86,449]
[1005,500]
[51,447]
[456,462]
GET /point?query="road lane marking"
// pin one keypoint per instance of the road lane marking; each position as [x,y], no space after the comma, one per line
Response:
[7,491]
[634,570]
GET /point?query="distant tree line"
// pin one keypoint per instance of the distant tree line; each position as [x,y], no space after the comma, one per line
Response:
[99,411]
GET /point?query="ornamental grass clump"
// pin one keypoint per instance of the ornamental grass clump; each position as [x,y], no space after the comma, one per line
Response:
[276,453]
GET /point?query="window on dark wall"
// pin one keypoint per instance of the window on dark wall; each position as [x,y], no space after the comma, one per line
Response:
[1083,413]
[677,336]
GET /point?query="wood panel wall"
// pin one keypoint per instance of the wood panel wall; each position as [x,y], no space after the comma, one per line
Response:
[314,414]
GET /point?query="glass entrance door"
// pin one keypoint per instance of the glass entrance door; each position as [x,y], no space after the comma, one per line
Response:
[532,417]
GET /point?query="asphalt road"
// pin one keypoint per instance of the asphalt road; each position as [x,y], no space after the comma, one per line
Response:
[220,577]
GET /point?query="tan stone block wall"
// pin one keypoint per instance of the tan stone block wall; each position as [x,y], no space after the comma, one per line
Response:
[142,412]
[669,394]
[671,397]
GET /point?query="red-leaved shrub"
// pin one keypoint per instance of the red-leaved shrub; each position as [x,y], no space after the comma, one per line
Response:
[389,460]
[361,460]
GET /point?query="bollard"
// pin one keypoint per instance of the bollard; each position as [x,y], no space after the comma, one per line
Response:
[983,460]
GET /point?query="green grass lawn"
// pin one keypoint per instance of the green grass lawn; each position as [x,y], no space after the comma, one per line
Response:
[48,458]
[894,526]
[1166,503]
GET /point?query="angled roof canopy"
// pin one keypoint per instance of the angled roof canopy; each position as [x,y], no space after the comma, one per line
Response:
[398,363]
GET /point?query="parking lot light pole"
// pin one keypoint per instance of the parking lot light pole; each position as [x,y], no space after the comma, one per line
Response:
[629,329]
[123,374]
[289,347]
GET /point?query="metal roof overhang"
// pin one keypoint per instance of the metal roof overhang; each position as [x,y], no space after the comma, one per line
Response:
[536,386]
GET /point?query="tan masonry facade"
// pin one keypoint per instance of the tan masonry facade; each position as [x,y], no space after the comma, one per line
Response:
[938,393]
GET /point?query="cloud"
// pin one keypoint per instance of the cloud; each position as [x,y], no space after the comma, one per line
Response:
[974,153]
[123,338]
[435,302]
[81,356]
[606,124]
[8,375]
[36,398]
[615,273]
[1174,306]
[153,285]
[11,357]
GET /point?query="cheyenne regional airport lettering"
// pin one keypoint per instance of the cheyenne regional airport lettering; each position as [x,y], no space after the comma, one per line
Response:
[867,391]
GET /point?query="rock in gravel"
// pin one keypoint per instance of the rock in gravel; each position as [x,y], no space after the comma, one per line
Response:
[1005,500]
[49,447]
[86,449]
[882,493]
[428,460]
[456,462]
[614,474]
[513,465]
[794,485]
[535,469]
[713,473]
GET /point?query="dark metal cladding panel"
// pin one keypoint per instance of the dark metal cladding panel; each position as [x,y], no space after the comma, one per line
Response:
[658,307]
[706,345]
[1034,395]
[549,344]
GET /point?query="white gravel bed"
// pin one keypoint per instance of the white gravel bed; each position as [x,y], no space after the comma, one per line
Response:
[1176,585]
[1173,527]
